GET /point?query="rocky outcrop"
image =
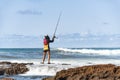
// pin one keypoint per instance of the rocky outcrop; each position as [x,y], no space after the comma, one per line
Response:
[16,69]
[7,68]
[94,72]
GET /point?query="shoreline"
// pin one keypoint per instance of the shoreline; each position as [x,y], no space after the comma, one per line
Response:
[86,72]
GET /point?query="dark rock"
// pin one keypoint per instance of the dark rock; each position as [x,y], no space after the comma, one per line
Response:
[94,72]
[9,68]
[5,62]
[65,64]
[2,71]
[16,69]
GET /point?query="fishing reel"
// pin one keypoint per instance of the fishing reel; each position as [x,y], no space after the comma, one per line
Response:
[55,37]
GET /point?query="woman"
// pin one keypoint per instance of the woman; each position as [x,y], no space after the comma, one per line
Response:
[46,48]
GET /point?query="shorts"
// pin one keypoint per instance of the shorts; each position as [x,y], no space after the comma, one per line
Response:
[46,50]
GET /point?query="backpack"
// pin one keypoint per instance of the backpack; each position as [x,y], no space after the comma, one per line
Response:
[45,42]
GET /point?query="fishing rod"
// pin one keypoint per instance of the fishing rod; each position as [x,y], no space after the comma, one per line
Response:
[57,23]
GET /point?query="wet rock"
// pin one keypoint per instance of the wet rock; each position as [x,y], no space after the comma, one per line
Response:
[13,68]
[2,71]
[7,79]
[5,62]
[65,64]
[51,78]
[16,69]
[94,72]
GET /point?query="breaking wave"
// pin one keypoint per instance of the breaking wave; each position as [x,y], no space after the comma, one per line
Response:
[92,51]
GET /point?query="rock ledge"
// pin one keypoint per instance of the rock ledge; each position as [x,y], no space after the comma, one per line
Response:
[93,72]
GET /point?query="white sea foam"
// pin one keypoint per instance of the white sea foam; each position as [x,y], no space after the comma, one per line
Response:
[45,69]
[92,51]
[38,69]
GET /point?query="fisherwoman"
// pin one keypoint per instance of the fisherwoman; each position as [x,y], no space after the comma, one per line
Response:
[46,49]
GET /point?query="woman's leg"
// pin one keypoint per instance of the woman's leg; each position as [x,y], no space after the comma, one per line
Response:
[48,57]
[44,55]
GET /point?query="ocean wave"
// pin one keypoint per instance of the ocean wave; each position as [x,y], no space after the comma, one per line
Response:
[92,51]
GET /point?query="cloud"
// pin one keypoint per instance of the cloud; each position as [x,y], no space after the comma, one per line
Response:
[29,12]
[105,23]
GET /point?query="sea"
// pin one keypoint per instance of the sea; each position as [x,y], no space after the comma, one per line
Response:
[61,59]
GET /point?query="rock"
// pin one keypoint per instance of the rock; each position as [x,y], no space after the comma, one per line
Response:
[94,72]
[2,71]
[16,69]
[7,79]
[5,62]
[65,64]
[9,68]
[51,78]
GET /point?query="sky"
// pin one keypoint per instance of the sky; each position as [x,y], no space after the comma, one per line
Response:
[39,17]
